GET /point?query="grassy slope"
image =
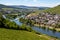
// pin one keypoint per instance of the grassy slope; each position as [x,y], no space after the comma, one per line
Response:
[54,10]
[9,34]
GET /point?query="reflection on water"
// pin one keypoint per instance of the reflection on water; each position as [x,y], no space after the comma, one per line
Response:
[47,31]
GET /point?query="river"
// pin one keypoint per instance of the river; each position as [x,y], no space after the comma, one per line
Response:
[40,30]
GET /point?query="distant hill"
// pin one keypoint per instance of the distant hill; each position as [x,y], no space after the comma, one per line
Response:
[5,6]
[24,7]
[54,10]
[46,9]
[30,7]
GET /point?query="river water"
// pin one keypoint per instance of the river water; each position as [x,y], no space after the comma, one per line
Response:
[40,30]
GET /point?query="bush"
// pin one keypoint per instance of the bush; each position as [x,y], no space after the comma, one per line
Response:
[25,27]
[10,25]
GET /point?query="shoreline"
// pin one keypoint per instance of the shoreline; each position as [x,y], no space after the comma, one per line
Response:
[46,26]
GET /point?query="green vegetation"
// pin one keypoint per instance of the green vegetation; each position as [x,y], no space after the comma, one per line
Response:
[11,16]
[12,25]
[55,10]
[7,34]
[10,34]
[10,31]
[27,21]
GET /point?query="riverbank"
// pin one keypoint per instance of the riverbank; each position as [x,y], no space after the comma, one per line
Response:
[48,37]
[31,22]
[46,26]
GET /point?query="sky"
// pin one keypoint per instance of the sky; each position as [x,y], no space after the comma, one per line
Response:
[38,3]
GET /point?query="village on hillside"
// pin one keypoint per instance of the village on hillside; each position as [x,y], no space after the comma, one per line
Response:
[46,19]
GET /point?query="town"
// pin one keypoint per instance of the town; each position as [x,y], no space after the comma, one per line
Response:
[46,19]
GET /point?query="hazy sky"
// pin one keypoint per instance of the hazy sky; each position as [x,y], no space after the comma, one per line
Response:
[46,3]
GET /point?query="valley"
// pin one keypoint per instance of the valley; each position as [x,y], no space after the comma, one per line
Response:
[30,23]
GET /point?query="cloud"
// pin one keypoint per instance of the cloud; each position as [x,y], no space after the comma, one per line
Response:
[31,0]
[43,5]
[35,0]
[31,3]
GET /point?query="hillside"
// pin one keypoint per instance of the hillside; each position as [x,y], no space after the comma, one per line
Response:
[4,6]
[10,31]
[49,17]
[30,7]
[9,34]
[54,10]
[6,34]
[22,6]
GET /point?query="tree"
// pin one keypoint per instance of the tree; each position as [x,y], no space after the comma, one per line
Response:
[1,20]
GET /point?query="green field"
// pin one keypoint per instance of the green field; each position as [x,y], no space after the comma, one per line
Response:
[10,34]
